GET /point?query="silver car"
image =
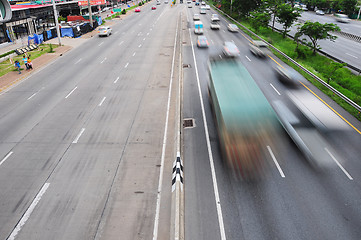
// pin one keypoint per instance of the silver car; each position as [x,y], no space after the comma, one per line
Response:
[232,27]
[259,48]
[230,49]
[104,31]
[202,42]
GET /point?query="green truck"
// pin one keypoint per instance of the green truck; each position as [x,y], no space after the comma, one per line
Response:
[245,121]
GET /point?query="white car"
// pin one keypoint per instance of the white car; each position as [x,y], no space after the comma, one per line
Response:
[189,5]
[320,12]
[214,18]
[215,25]
[104,31]
[342,18]
[203,3]
[196,16]
[232,27]
[208,7]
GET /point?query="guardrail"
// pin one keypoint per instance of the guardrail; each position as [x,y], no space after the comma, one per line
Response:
[346,99]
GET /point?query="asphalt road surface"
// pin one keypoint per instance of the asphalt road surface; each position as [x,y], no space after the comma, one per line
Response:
[296,201]
[82,141]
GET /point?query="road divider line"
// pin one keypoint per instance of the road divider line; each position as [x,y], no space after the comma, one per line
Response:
[248,59]
[126,65]
[133,54]
[102,101]
[164,144]
[351,55]
[143,39]
[116,32]
[70,92]
[116,80]
[275,161]
[339,165]
[32,96]
[147,33]
[78,61]
[120,43]
[79,135]
[103,60]
[210,154]
[6,157]
[28,212]
[100,44]
[140,45]
[275,89]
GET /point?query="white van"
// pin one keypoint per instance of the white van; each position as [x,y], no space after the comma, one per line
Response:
[198,27]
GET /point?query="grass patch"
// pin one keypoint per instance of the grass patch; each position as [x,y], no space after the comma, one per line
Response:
[7,66]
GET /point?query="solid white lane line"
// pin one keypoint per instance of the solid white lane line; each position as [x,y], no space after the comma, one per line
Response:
[210,154]
[28,212]
[120,43]
[351,55]
[79,135]
[164,144]
[101,102]
[275,89]
[6,157]
[32,96]
[140,45]
[78,61]
[100,44]
[248,59]
[275,161]
[339,165]
[103,60]
[116,80]
[133,54]
[126,65]
[70,92]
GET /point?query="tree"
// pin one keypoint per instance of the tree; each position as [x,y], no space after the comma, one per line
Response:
[244,7]
[333,67]
[287,15]
[316,31]
[272,7]
[259,19]
[348,6]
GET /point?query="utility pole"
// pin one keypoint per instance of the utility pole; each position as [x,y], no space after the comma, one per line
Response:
[90,14]
[359,10]
[56,22]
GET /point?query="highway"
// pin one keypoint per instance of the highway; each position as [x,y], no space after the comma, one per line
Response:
[82,140]
[295,201]
[87,145]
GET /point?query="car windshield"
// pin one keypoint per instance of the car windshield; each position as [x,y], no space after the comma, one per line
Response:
[233,25]
[102,29]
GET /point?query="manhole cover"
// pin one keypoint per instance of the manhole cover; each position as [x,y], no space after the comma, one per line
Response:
[188,123]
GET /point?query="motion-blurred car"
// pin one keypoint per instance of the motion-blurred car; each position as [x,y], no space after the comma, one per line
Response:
[230,49]
[197,3]
[166,2]
[342,18]
[214,17]
[287,75]
[232,27]
[196,16]
[203,3]
[137,9]
[189,5]
[158,2]
[320,12]
[258,48]
[215,25]
[104,31]
[208,7]
[202,42]
[154,7]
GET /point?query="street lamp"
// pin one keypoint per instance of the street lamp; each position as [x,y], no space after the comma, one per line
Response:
[359,10]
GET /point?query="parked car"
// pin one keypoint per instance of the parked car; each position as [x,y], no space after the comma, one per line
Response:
[154,7]
[320,12]
[259,48]
[196,16]
[202,42]
[230,49]
[137,9]
[104,31]
[232,27]
[342,18]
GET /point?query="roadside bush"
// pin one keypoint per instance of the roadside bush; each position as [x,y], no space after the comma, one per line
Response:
[7,53]
[140,4]
[124,11]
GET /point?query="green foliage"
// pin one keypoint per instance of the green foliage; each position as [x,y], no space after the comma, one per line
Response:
[51,48]
[317,31]
[287,15]
[124,11]
[259,19]
[61,18]
[140,4]
[244,7]
[7,53]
